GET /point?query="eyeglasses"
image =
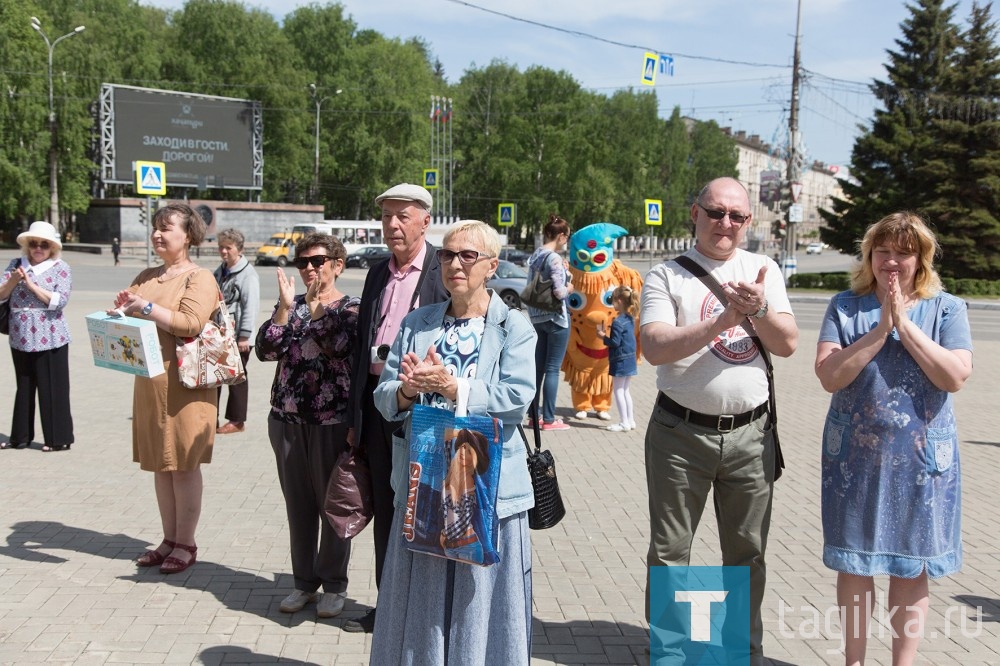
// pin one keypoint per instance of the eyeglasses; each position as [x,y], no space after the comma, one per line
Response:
[316,261]
[467,257]
[735,218]
[38,244]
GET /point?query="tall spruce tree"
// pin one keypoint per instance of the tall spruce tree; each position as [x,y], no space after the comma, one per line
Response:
[965,171]
[886,157]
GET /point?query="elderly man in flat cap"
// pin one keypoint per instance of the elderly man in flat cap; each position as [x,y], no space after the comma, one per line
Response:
[411,277]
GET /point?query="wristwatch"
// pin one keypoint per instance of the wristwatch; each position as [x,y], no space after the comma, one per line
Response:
[760,313]
[149,308]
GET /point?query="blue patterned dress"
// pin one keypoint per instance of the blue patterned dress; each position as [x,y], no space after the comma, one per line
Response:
[891,477]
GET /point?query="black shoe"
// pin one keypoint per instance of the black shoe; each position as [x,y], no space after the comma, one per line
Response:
[13,445]
[365,623]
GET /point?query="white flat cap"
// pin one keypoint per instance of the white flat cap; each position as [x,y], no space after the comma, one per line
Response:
[406,192]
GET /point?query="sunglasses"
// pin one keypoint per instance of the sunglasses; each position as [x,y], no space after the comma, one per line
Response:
[316,261]
[717,215]
[38,244]
[467,257]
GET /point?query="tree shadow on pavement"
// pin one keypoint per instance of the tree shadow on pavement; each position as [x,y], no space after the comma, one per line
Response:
[601,642]
[987,608]
[234,654]
[238,590]
[582,641]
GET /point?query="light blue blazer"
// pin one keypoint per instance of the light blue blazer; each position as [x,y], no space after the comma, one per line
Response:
[504,387]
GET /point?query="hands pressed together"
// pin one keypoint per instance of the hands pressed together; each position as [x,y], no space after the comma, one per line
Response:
[893,308]
[426,375]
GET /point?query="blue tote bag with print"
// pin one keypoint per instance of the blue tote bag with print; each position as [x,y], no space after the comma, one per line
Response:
[452,481]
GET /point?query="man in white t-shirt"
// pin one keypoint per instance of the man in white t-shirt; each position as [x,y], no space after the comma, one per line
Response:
[710,427]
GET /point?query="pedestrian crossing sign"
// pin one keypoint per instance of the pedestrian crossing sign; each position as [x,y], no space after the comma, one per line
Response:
[151,178]
[649,69]
[430,179]
[653,209]
[506,214]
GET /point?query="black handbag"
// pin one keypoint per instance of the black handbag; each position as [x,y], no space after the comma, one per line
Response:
[538,292]
[549,508]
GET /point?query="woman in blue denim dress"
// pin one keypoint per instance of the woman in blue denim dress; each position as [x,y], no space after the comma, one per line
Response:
[892,351]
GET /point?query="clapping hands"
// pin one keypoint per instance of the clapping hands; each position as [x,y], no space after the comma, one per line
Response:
[427,374]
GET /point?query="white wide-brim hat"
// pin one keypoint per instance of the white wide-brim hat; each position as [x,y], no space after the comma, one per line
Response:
[42,231]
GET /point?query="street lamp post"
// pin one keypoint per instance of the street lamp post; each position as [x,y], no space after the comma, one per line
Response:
[53,148]
[314,91]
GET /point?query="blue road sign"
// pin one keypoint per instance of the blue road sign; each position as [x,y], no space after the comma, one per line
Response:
[151,178]
[653,207]
[649,69]
[506,214]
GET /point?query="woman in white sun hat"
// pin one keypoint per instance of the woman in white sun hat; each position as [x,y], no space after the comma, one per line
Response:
[37,288]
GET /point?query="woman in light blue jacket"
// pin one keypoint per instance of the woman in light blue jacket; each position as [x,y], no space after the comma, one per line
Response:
[473,352]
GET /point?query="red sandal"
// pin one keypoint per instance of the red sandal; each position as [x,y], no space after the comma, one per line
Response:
[172,565]
[152,558]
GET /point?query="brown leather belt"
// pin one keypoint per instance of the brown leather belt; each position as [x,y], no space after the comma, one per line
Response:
[721,422]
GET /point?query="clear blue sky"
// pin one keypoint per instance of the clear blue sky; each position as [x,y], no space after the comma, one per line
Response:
[844,42]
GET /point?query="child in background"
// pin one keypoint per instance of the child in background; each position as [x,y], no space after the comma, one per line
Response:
[622,350]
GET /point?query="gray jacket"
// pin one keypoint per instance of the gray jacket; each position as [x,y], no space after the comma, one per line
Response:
[241,292]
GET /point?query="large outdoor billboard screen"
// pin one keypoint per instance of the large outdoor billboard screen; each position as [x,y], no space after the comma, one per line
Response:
[205,142]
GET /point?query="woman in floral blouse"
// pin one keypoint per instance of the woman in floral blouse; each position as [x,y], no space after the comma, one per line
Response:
[37,288]
[312,337]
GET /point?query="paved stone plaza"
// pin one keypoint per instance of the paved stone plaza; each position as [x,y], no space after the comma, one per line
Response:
[72,523]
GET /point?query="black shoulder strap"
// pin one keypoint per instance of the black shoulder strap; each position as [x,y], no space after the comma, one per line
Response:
[713,285]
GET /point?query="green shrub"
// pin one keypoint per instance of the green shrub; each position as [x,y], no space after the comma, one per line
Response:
[838,281]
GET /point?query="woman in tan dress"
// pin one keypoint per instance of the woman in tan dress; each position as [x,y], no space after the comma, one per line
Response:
[173,428]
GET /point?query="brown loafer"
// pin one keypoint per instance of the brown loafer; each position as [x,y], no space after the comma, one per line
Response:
[231,428]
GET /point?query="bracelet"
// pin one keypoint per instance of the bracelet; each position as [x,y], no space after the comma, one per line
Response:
[403,393]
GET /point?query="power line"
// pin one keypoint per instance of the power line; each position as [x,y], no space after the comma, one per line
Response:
[613,42]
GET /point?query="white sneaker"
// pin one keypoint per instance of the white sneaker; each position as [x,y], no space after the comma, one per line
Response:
[619,427]
[330,604]
[581,414]
[296,601]
[632,425]
[604,416]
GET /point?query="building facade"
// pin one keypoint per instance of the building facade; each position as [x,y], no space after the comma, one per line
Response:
[763,171]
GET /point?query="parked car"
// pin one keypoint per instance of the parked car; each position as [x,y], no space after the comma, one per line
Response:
[513,255]
[814,248]
[367,255]
[509,281]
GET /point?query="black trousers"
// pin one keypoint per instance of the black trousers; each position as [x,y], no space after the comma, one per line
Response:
[45,373]
[305,456]
[376,437]
[239,394]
